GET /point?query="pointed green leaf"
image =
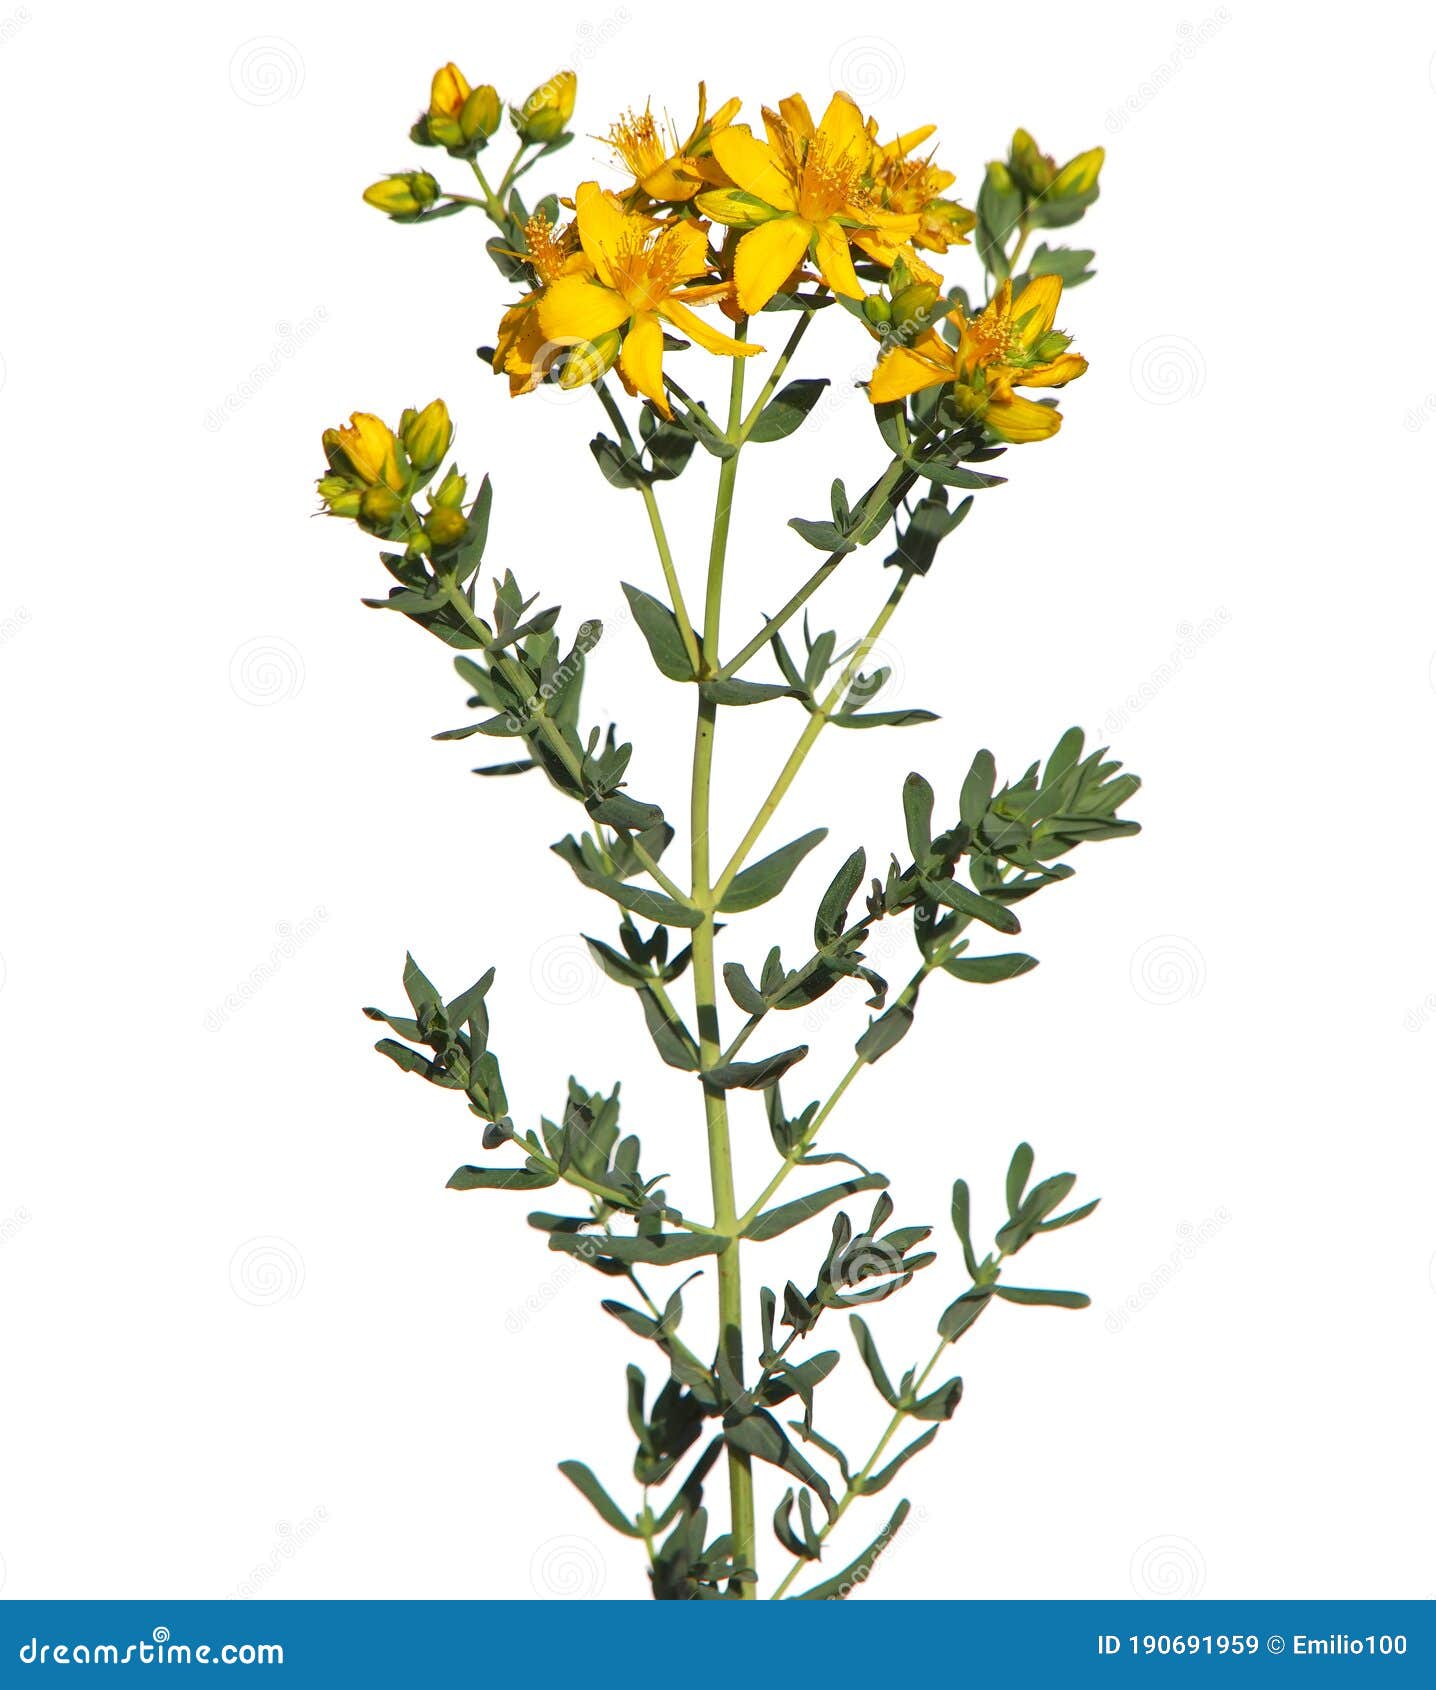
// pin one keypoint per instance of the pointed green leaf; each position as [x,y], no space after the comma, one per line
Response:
[767,877]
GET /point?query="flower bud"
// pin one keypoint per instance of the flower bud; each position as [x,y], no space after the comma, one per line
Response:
[426,435]
[1079,175]
[341,497]
[1052,345]
[380,508]
[446,101]
[402,196]
[913,304]
[876,310]
[999,177]
[481,113]
[366,451]
[445,526]
[1031,169]
[586,360]
[543,116]
[450,491]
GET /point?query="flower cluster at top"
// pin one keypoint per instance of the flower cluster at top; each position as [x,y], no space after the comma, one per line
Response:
[689,238]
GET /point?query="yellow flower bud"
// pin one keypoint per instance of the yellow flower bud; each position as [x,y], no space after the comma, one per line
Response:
[340,495]
[1079,176]
[876,310]
[379,509]
[366,449]
[426,435]
[586,360]
[481,113]
[450,491]
[543,116]
[445,526]
[402,196]
[1000,177]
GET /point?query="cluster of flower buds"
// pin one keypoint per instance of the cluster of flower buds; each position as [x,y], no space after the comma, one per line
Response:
[376,471]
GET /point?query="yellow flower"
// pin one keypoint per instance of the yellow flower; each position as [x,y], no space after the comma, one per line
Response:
[550,253]
[916,186]
[806,190]
[367,450]
[544,115]
[643,277]
[1010,344]
[663,167]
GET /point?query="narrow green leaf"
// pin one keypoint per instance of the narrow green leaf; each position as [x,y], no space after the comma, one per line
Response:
[755,1076]
[977,790]
[500,1179]
[868,1350]
[885,1032]
[608,1510]
[1044,1299]
[658,626]
[766,878]
[990,970]
[772,1222]
[786,410]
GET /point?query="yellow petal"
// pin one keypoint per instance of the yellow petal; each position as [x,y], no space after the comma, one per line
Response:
[843,131]
[697,330]
[602,223]
[448,91]
[900,145]
[1057,373]
[574,308]
[835,260]
[687,245]
[754,166]
[903,371]
[766,257]
[641,359]
[794,112]
[1035,308]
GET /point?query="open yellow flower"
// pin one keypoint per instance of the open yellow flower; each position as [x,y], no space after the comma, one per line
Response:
[663,167]
[805,191]
[549,253]
[911,185]
[1010,344]
[644,274]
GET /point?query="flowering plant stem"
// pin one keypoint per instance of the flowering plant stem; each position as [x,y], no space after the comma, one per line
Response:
[819,219]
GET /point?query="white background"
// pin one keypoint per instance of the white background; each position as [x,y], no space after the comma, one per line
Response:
[227,821]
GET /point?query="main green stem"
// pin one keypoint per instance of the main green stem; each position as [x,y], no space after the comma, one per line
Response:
[705,990]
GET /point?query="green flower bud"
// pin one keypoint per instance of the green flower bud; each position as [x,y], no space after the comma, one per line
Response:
[914,304]
[450,491]
[877,311]
[340,495]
